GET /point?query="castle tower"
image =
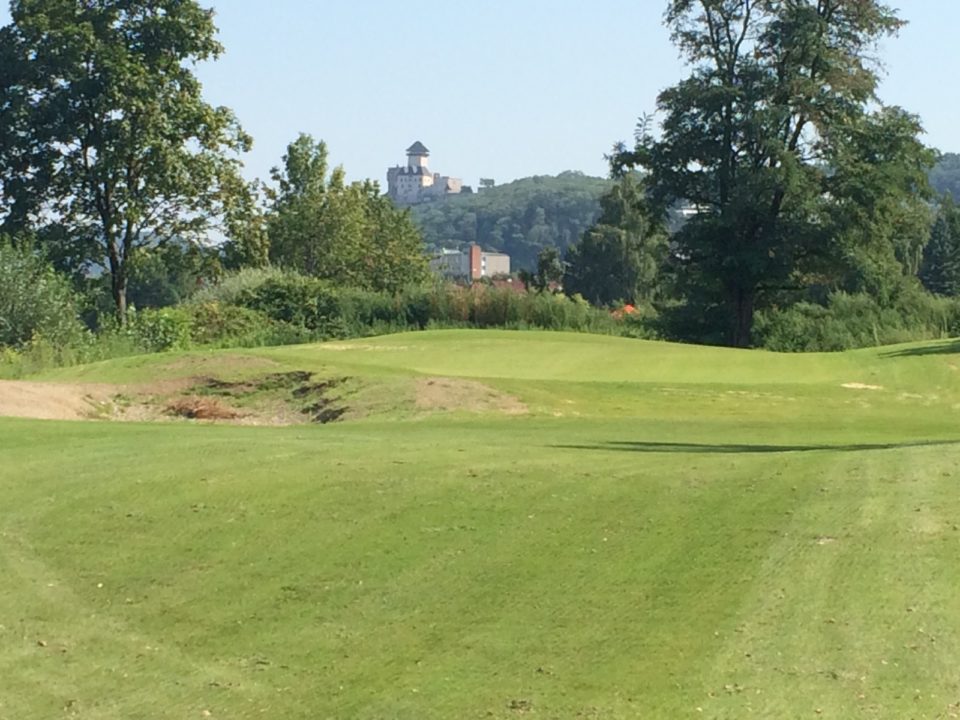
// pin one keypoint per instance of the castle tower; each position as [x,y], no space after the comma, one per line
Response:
[417,155]
[414,183]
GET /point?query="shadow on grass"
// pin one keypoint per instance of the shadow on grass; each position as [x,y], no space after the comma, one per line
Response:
[945,348]
[673,447]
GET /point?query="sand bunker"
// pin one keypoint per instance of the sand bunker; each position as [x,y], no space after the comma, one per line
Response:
[54,401]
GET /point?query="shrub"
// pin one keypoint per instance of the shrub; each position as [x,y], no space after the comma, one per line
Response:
[361,311]
[853,321]
[161,330]
[35,301]
[299,301]
[232,286]
[214,323]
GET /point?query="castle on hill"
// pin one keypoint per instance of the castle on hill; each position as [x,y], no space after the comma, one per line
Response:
[415,183]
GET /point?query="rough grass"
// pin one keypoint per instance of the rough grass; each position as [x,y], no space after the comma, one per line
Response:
[668,532]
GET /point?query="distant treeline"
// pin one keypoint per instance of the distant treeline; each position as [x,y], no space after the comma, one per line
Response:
[945,176]
[520,218]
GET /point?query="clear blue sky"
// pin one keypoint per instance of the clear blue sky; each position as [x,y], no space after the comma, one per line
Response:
[500,89]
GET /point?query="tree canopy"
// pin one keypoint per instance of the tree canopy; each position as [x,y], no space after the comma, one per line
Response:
[940,266]
[106,142]
[774,144]
[618,259]
[322,226]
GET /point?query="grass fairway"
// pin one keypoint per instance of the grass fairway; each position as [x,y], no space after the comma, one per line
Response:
[663,532]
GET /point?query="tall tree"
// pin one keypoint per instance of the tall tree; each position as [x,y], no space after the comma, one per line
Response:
[940,269]
[619,257]
[105,131]
[550,269]
[245,225]
[348,233]
[875,205]
[775,110]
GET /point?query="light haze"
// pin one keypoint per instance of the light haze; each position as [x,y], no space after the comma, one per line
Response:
[497,89]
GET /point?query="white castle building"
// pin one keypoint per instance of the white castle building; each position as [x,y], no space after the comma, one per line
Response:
[415,183]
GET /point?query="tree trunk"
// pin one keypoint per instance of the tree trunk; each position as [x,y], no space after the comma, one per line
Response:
[118,284]
[743,308]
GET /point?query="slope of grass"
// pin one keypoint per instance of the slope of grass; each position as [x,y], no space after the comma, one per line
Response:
[569,357]
[671,532]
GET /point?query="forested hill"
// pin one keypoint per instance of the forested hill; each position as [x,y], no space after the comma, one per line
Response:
[518,218]
[945,177]
[521,217]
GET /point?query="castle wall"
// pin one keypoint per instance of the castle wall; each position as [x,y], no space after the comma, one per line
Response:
[414,183]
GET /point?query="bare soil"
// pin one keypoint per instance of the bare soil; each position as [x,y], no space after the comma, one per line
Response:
[443,394]
[55,401]
[202,408]
[275,399]
[287,398]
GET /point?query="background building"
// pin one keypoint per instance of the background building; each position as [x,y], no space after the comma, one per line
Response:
[471,264]
[415,183]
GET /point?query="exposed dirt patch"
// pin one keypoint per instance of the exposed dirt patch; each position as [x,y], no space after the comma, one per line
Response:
[202,408]
[54,401]
[287,398]
[243,388]
[442,394]
[321,407]
[295,396]
[861,386]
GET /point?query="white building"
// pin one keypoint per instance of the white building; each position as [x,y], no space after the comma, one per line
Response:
[471,264]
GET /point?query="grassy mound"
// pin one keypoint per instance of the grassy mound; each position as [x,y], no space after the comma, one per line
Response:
[507,524]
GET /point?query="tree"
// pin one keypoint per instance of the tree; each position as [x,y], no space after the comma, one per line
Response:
[245,222]
[940,270]
[394,252]
[320,225]
[550,269]
[619,257]
[106,134]
[167,275]
[875,206]
[760,140]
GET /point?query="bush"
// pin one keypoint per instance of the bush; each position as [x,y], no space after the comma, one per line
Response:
[231,287]
[299,301]
[853,321]
[35,302]
[365,313]
[161,330]
[216,324]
